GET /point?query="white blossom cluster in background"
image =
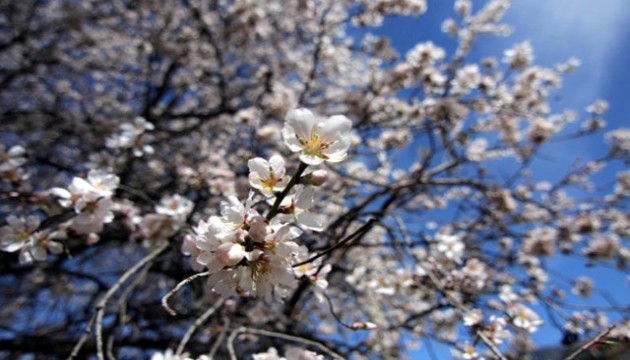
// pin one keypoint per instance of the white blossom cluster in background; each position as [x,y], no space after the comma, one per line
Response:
[23,234]
[247,253]
[292,353]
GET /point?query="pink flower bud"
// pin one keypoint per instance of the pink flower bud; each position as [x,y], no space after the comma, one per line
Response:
[364,326]
[230,254]
[316,178]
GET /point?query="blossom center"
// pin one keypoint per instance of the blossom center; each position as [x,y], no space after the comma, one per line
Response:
[314,145]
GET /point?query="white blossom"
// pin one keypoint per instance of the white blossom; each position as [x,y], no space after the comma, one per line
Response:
[524,318]
[11,159]
[267,176]
[317,140]
[520,56]
[450,246]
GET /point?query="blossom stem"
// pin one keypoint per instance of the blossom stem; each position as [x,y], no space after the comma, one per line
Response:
[294,180]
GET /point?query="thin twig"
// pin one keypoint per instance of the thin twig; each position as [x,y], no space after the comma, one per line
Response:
[220,338]
[110,348]
[200,320]
[103,302]
[83,339]
[177,288]
[360,231]
[586,346]
[332,311]
[243,330]
[122,300]
[230,344]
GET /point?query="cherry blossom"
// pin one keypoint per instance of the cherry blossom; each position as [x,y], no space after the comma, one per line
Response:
[317,140]
[267,176]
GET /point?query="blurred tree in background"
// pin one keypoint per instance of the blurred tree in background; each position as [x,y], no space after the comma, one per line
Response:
[144,142]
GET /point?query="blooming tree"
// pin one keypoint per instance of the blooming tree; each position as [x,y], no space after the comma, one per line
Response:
[241,179]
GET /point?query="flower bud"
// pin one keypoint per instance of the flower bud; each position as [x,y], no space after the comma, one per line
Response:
[364,326]
[316,178]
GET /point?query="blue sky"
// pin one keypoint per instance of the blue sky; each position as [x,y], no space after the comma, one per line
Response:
[598,34]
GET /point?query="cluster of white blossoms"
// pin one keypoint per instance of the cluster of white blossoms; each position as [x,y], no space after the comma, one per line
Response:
[131,137]
[11,161]
[170,355]
[292,353]
[170,215]
[450,246]
[90,199]
[249,254]
[91,204]
[23,234]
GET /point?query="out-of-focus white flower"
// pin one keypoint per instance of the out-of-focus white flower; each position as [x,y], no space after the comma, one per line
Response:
[175,206]
[583,287]
[520,56]
[170,355]
[12,159]
[40,242]
[90,199]
[294,353]
[130,137]
[17,233]
[270,354]
[473,317]
[317,140]
[467,351]
[20,234]
[524,318]
[450,246]
[599,107]
[507,294]
[425,54]
[495,330]
[267,176]
[466,79]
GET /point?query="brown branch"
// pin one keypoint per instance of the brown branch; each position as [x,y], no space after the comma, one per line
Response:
[586,346]
[177,288]
[359,232]
[103,302]
[200,320]
[294,180]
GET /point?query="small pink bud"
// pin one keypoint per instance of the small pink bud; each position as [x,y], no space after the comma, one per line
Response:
[316,178]
[364,326]
[230,254]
